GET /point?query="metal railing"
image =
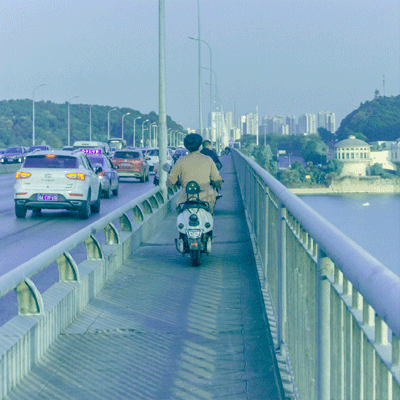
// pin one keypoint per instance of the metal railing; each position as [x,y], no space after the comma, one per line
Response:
[41,317]
[18,279]
[337,307]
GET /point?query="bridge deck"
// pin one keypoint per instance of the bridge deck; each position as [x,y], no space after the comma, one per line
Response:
[161,329]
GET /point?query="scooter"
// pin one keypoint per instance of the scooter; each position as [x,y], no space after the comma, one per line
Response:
[195,225]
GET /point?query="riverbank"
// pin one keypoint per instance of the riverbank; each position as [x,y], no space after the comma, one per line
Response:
[354,185]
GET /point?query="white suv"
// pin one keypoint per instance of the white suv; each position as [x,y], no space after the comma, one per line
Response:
[56,179]
[152,157]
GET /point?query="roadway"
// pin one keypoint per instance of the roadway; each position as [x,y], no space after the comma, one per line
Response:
[22,239]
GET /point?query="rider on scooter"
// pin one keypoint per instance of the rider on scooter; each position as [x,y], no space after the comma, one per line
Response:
[207,150]
[196,167]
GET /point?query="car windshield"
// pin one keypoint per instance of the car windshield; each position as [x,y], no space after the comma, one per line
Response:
[96,160]
[153,153]
[13,150]
[37,147]
[51,161]
[126,154]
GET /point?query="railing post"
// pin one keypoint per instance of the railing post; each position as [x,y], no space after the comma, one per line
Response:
[266,228]
[324,267]
[30,301]
[281,224]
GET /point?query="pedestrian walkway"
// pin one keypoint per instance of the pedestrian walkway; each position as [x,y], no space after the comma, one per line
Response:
[162,329]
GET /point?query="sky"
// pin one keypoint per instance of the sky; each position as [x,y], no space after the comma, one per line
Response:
[284,57]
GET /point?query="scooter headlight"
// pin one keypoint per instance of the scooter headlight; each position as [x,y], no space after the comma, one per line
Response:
[181,226]
[194,234]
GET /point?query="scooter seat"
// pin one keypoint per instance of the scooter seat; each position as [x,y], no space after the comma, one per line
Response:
[194,204]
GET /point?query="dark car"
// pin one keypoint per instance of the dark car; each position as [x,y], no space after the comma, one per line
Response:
[179,153]
[38,147]
[131,164]
[14,155]
[108,176]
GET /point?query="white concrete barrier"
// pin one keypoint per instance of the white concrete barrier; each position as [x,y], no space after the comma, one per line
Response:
[9,168]
[42,317]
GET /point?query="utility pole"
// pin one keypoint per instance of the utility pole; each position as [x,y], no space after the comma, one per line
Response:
[162,115]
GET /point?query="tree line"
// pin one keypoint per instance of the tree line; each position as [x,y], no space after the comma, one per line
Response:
[51,123]
[375,120]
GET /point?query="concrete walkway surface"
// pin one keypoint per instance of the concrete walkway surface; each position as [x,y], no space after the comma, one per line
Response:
[162,329]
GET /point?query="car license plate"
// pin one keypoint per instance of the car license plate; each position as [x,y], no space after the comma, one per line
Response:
[47,197]
[125,165]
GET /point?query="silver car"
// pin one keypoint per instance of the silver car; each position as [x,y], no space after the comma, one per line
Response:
[108,176]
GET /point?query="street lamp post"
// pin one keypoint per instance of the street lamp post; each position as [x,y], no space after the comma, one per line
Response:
[123,124]
[199,67]
[142,143]
[215,85]
[203,41]
[134,131]
[33,113]
[108,124]
[150,125]
[69,124]
[170,136]
[182,137]
[152,144]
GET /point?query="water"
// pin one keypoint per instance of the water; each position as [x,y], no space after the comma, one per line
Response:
[372,221]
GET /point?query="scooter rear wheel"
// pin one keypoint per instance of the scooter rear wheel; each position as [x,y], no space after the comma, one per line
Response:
[195,256]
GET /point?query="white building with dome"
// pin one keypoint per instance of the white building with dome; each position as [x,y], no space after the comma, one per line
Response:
[395,153]
[354,154]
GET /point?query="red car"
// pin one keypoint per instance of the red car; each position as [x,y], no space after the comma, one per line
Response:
[131,164]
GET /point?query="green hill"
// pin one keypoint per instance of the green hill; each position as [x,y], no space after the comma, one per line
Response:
[374,120]
[51,123]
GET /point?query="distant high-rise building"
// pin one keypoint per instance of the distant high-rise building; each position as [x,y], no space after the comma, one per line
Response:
[217,124]
[327,120]
[272,124]
[229,124]
[284,129]
[252,124]
[242,125]
[291,122]
[236,133]
[307,124]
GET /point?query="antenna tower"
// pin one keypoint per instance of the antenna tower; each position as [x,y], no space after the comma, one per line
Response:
[383,85]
